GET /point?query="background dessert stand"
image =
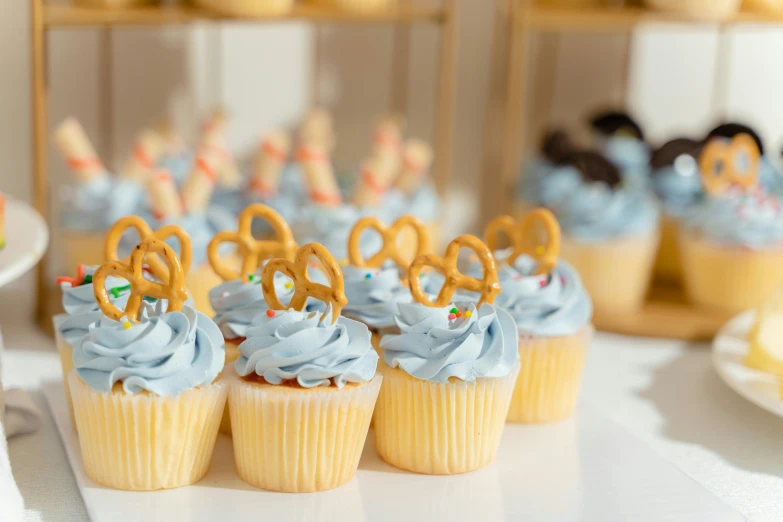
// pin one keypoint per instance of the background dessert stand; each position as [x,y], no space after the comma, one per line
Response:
[510,129]
[50,16]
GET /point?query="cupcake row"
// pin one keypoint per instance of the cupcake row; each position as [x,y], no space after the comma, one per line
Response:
[702,212]
[305,352]
[203,188]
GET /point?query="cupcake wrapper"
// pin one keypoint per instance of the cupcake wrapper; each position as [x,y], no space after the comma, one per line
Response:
[616,274]
[65,351]
[440,429]
[729,279]
[232,354]
[146,442]
[299,440]
[547,388]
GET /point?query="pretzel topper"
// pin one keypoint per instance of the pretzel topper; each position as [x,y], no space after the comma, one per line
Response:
[157,267]
[725,165]
[488,286]
[172,289]
[389,235]
[526,238]
[252,250]
[304,287]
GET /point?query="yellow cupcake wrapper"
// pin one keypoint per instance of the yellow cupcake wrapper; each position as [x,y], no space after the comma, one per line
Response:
[299,440]
[547,388]
[146,442]
[667,260]
[440,429]
[728,279]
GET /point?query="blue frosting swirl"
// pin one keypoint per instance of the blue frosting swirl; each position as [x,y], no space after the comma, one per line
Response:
[434,348]
[595,212]
[632,157]
[750,220]
[96,205]
[374,293]
[553,306]
[300,346]
[165,353]
[331,227]
[679,188]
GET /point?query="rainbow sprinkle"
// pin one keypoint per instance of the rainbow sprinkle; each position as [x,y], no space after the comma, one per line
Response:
[270,313]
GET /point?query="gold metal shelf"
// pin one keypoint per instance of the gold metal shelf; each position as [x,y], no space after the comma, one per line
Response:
[66,15]
[564,19]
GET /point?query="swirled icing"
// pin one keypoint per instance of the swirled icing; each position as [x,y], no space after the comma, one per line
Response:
[747,219]
[165,353]
[299,346]
[374,293]
[480,343]
[97,204]
[331,227]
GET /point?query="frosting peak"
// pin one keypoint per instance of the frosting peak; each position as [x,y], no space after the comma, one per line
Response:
[479,343]
[301,346]
[374,293]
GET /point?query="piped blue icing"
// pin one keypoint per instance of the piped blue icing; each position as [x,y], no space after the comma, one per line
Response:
[679,186]
[331,227]
[300,346]
[434,348]
[632,157]
[96,205]
[374,293]
[165,353]
[750,220]
[594,212]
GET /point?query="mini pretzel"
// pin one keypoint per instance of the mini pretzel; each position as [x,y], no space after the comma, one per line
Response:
[488,287]
[718,163]
[523,238]
[173,290]
[157,267]
[389,235]
[253,251]
[333,294]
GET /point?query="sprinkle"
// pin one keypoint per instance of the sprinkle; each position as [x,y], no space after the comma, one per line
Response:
[289,285]
[562,280]
[540,250]
[87,280]
[79,272]
[368,276]
[313,265]
[224,294]
[67,280]
[452,317]
[542,283]
[468,313]
[473,258]
[117,289]
[250,277]
[459,314]
[344,262]
[270,313]
[126,325]
[453,311]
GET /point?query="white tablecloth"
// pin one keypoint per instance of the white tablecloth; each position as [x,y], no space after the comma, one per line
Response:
[664,392]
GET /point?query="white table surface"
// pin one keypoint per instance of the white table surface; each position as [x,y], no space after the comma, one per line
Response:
[664,392]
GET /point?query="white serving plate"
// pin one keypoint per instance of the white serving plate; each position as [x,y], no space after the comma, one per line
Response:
[586,469]
[729,349]
[26,240]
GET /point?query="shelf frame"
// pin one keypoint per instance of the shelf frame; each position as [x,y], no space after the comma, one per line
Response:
[46,17]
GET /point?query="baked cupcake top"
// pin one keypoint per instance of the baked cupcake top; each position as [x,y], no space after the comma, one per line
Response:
[444,339]
[286,345]
[736,210]
[675,175]
[144,347]
[376,286]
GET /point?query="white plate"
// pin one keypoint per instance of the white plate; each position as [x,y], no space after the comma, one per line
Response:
[587,469]
[729,349]
[26,240]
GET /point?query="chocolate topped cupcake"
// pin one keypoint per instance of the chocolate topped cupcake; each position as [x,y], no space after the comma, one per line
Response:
[595,168]
[667,155]
[731,129]
[557,146]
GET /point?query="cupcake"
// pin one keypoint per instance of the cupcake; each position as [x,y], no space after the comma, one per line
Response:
[732,242]
[610,232]
[81,311]
[303,390]
[376,286]
[96,198]
[552,311]
[677,183]
[144,389]
[769,176]
[449,375]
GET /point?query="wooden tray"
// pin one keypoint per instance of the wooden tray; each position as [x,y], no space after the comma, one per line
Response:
[667,313]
